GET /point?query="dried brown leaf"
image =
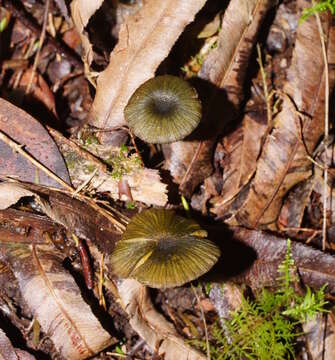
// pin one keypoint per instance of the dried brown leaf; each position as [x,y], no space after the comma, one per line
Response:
[10,194]
[145,40]
[242,148]
[27,131]
[55,300]
[225,67]
[292,211]
[40,90]
[81,11]
[283,162]
[159,334]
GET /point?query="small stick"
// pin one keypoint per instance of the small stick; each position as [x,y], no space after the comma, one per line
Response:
[326,124]
[85,262]
[265,87]
[102,301]
[40,45]
[204,321]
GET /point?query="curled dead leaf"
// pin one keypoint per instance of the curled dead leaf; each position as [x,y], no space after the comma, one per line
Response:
[81,12]
[159,334]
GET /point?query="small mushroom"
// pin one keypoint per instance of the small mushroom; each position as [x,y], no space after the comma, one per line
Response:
[164,109]
[161,249]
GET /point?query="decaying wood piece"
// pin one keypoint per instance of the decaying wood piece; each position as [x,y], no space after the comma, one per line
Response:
[283,162]
[314,267]
[190,161]
[145,184]
[159,334]
[145,40]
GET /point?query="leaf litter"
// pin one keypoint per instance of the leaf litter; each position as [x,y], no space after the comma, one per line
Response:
[253,162]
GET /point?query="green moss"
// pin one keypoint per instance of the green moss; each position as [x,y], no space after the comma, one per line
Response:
[123,163]
[267,327]
[90,139]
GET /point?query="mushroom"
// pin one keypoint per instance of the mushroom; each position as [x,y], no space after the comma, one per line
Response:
[161,249]
[164,109]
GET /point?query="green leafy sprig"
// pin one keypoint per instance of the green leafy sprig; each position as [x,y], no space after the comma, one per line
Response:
[321,6]
[267,327]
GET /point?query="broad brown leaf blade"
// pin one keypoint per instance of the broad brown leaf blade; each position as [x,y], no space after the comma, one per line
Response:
[27,131]
[190,161]
[314,267]
[55,300]
[283,162]
[293,209]
[145,40]
[241,150]
[159,334]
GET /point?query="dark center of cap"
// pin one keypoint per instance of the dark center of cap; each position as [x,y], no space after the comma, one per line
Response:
[163,104]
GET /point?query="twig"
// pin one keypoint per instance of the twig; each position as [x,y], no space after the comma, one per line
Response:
[102,301]
[265,86]
[27,21]
[85,183]
[326,124]
[85,262]
[40,45]
[204,322]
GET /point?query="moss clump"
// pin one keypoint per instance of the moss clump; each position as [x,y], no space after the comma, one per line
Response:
[123,163]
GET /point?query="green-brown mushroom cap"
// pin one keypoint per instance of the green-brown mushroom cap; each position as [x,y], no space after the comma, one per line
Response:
[161,250]
[164,109]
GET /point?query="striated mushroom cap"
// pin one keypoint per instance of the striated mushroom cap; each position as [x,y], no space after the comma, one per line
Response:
[164,109]
[161,249]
